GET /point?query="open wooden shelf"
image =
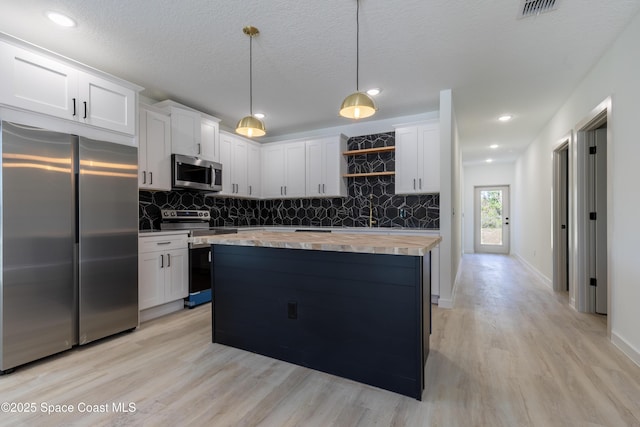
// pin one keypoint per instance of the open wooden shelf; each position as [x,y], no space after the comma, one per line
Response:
[355,175]
[369,150]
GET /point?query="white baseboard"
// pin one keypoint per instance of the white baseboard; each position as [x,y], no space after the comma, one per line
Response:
[626,348]
[448,302]
[544,279]
[445,303]
[161,310]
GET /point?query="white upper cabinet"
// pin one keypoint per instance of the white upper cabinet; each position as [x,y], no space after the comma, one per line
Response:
[325,167]
[192,133]
[44,84]
[273,175]
[254,168]
[240,166]
[418,159]
[210,139]
[284,170]
[154,152]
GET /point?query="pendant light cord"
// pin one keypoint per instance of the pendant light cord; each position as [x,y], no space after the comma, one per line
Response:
[357,45]
[251,75]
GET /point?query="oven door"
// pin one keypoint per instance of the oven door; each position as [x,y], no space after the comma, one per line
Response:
[199,269]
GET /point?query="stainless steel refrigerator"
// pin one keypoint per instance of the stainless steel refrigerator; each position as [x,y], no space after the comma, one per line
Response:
[68,242]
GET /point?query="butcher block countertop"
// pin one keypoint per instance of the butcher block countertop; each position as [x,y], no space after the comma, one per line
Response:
[335,242]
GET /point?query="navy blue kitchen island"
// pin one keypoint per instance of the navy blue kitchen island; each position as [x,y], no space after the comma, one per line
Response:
[356,306]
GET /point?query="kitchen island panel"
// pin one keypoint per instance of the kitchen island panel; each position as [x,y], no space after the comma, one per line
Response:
[359,316]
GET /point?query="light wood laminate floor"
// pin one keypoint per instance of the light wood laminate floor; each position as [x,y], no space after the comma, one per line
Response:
[510,353]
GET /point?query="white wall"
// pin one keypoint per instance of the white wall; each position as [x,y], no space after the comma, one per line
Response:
[617,75]
[483,175]
[449,200]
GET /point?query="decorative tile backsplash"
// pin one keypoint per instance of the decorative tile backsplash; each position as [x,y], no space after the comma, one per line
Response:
[367,195]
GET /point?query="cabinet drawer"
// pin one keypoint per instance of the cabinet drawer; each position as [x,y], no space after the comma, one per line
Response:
[162,243]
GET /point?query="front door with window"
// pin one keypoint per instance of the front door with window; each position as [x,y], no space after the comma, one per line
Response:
[492,219]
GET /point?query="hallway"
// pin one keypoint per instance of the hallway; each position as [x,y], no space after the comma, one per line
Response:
[498,358]
[512,352]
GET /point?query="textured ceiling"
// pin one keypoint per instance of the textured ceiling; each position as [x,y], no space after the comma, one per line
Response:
[194,52]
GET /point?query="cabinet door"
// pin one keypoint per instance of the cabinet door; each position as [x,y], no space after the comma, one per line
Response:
[186,132]
[226,144]
[429,158]
[106,104]
[209,140]
[295,170]
[155,151]
[176,275]
[406,160]
[239,167]
[334,166]
[253,170]
[37,83]
[150,280]
[315,168]
[273,171]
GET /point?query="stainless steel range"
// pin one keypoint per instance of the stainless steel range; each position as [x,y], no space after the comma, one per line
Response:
[197,223]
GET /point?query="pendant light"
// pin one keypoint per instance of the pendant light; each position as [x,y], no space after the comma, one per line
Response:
[250,126]
[358,105]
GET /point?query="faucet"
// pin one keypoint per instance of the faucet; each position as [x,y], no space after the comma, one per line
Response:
[371,220]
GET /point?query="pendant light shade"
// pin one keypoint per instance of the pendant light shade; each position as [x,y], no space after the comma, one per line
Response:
[358,105]
[249,125]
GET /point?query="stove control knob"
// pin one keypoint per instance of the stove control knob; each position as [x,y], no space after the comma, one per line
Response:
[200,213]
[173,214]
[166,213]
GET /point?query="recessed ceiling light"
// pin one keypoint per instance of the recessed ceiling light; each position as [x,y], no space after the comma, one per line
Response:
[60,19]
[505,117]
[259,115]
[374,91]
[493,146]
[489,160]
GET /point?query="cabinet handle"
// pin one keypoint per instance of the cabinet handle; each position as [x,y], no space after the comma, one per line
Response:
[250,190]
[209,256]
[414,183]
[144,177]
[323,189]
[163,243]
[281,190]
[74,107]
[199,148]
[150,178]
[285,190]
[161,261]
[420,183]
[85,109]
[319,192]
[168,260]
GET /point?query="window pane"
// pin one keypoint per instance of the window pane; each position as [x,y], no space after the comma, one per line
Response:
[491,217]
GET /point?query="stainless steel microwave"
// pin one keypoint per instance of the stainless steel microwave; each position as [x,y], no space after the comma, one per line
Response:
[195,174]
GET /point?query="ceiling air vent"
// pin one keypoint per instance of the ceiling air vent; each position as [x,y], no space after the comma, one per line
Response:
[536,7]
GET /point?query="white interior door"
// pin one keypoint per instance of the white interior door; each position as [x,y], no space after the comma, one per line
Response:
[491,213]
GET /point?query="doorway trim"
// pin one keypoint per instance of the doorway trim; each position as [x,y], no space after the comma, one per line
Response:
[578,235]
[565,143]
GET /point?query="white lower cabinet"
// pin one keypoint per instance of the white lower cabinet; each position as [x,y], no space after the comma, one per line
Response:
[163,270]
